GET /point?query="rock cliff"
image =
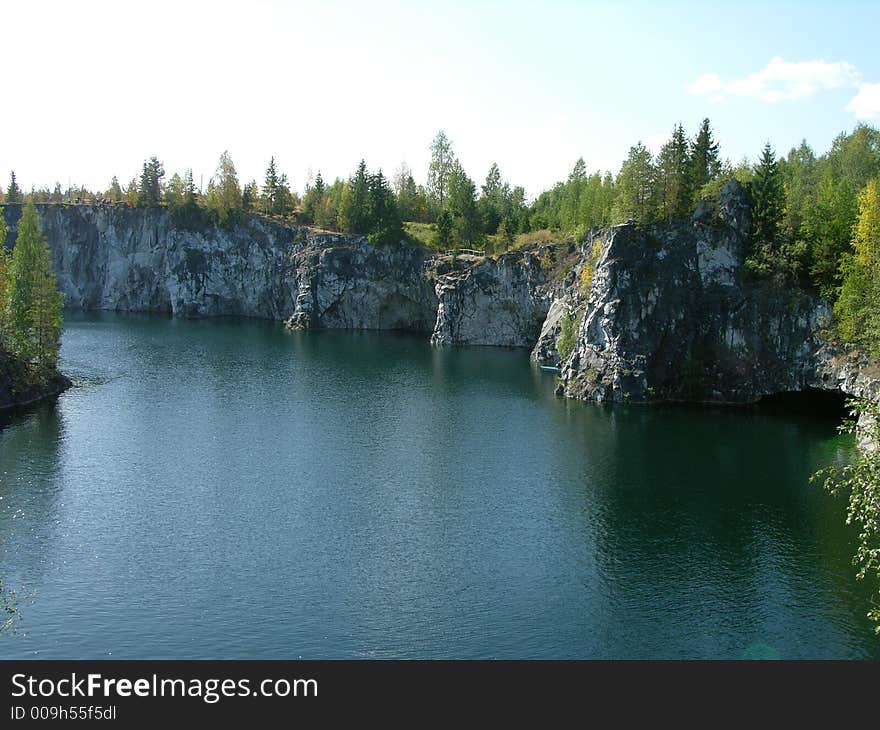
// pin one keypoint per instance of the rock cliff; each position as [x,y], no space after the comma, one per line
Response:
[672,316]
[495,301]
[664,313]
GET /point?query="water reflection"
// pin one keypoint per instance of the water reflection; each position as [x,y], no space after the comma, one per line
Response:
[227,489]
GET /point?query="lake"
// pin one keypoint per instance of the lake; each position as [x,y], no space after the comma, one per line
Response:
[225,489]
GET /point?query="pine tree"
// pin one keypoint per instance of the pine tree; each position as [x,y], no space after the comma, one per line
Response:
[34,309]
[462,204]
[384,224]
[270,188]
[314,206]
[250,196]
[150,187]
[768,202]
[674,175]
[444,229]
[705,162]
[354,213]
[190,194]
[13,192]
[636,190]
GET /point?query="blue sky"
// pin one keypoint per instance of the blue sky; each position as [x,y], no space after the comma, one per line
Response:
[319,85]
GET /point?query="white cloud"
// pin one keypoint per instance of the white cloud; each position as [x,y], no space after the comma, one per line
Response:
[705,84]
[866,103]
[780,80]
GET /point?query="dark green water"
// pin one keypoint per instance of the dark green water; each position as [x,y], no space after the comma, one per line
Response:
[223,489]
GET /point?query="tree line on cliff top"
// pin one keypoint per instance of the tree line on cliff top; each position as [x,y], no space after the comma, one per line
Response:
[813,215]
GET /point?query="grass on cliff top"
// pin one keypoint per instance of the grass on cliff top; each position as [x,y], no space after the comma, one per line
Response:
[420,234]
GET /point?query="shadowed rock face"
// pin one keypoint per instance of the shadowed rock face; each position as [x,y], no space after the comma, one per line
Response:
[671,316]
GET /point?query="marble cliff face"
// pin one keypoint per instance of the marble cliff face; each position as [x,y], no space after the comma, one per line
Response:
[668,313]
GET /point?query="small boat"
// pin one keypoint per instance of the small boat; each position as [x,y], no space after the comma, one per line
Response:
[549,367]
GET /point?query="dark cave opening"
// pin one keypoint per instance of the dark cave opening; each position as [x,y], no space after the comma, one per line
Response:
[812,402]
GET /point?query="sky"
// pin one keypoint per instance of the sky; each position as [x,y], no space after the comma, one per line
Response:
[92,89]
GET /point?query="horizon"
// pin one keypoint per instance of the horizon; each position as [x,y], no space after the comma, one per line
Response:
[529,91]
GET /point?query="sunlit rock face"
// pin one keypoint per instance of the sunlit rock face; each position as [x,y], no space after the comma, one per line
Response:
[500,302]
[117,258]
[668,313]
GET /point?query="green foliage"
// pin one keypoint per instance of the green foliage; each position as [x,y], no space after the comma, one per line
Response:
[768,204]
[223,199]
[444,229]
[114,192]
[421,234]
[637,195]
[461,203]
[10,610]
[674,175]
[33,312]
[250,196]
[412,200]
[858,307]
[5,277]
[439,170]
[276,198]
[859,481]
[705,163]
[13,192]
[383,221]
[150,185]
[566,341]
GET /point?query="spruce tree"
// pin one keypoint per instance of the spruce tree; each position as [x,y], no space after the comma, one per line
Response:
[13,192]
[150,186]
[462,204]
[250,195]
[705,162]
[444,229]
[674,173]
[355,211]
[270,188]
[190,194]
[768,202]
[636,190]
[34,314]
[383,221]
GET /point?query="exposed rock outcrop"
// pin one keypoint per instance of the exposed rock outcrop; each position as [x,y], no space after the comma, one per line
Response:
[117,258]
[498,302]
[671,316]
[348,284]
[665,313]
